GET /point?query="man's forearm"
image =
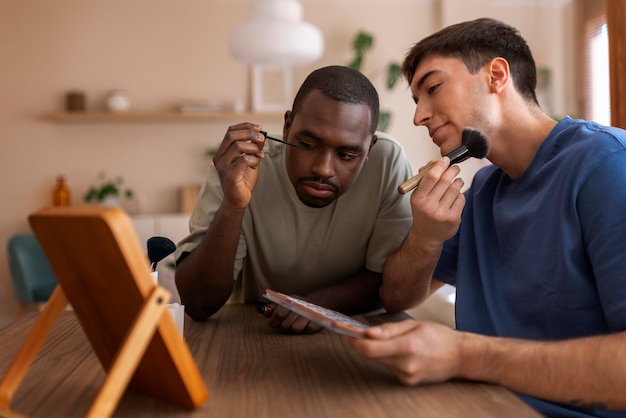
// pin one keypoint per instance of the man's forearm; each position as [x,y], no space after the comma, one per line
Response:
[357,294]
[205,277]
[586,372]
[407,274]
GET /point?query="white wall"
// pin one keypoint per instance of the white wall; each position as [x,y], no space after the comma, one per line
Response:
[163,51]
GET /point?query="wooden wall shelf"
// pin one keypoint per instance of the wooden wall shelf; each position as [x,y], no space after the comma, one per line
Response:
[90,117]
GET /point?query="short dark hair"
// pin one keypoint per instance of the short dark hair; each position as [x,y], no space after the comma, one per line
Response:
[476,42]
[342,84]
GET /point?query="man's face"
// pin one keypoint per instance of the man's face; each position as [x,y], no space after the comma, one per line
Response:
[448,98]
[336,141]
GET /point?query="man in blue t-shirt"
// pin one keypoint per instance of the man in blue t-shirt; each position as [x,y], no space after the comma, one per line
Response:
[536,247]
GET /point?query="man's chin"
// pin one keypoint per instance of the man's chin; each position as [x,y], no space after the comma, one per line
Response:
[315,203]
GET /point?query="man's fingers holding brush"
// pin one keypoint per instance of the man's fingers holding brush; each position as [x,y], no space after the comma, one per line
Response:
[237,160]
[437,202]
[440,188]
[415,181]
[243,138]
[433,174]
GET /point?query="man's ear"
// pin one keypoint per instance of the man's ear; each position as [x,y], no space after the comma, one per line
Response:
[374,139]
[287,124]
[499,74]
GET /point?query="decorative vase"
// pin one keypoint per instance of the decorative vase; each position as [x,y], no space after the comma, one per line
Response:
[117,101]
[111,200]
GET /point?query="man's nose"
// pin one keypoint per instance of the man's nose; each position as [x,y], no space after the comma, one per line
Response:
[323,165]
[422,114]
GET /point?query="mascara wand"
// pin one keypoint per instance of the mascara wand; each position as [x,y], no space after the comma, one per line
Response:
[281,141]
[475,144]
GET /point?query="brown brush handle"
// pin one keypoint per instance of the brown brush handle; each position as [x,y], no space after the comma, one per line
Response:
[412,183]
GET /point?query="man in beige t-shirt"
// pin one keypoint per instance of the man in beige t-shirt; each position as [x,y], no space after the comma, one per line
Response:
[317,220]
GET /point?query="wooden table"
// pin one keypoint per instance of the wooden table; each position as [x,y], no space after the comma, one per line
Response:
[250,371]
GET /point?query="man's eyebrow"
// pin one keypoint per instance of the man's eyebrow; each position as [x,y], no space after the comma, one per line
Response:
[422,80]
[309,134]
[353,148]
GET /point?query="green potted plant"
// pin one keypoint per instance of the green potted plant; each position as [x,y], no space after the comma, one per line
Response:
[363,42]
[108,190]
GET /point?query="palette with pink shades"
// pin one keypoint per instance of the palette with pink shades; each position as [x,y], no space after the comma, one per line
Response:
[333,320]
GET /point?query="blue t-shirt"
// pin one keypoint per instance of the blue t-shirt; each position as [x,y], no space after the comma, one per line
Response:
[543,256]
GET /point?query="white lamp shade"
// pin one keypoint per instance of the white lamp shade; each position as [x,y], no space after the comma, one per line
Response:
[275,35]
[275,10]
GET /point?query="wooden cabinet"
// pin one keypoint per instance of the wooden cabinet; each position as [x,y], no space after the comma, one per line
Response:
[174,226]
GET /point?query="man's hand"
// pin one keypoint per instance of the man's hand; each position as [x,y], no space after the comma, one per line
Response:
[290,322]
[587,371]
[416,352]
[437,203]
[237,160]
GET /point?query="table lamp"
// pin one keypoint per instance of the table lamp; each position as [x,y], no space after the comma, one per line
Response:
[274,38]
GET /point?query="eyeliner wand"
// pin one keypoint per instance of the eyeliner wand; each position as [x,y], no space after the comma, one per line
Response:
[280,140]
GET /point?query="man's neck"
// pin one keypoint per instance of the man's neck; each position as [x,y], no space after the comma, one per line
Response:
[514,146]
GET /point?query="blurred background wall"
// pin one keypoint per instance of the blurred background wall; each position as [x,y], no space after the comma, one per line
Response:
[165,51]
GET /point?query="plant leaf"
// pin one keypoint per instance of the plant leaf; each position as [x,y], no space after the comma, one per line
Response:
[362,42]
[356,63]
[384,117]
[394,72]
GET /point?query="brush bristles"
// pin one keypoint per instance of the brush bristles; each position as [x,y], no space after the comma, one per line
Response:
[476,142]
[159,248]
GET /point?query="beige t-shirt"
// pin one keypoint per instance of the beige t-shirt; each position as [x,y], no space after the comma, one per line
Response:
[295,249]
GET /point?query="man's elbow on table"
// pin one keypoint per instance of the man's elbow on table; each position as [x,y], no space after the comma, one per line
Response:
[395,300]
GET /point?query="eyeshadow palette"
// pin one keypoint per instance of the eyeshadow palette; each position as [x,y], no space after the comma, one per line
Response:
[333,320]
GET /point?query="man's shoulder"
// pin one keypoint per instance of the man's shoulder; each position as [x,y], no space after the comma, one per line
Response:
[387,156]
[579,130]
[387,147]
[387,140]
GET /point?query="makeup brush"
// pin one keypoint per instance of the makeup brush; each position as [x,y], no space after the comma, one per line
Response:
[475,144]
[280,140]
[158,249]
